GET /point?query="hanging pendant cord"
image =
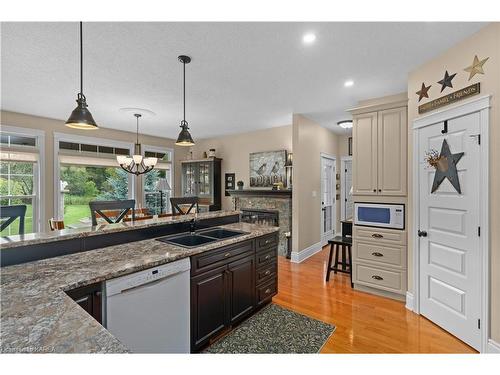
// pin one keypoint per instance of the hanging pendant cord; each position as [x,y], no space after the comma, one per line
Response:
[81,58]
[184,68]
[137,133]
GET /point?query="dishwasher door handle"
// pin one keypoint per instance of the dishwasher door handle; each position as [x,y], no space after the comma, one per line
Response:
[149,283]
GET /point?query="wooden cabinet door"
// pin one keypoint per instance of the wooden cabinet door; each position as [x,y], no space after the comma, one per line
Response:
[392,153]
[90,299]
[209,307]
[364,160]
[241,288]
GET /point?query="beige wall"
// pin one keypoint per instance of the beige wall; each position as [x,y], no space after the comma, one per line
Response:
[309,141]
[49,126]
[485,43]
[235,149]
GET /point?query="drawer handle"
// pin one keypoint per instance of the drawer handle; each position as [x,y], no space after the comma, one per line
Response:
[377,254]
[267,257]
[377,277]
[267,272]
[376,235]
[227,254]
[268,290]
[266,241]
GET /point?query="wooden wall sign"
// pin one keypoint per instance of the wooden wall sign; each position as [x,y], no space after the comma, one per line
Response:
[461,94]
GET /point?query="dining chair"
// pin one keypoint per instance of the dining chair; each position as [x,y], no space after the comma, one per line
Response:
[116,210]
[177,202]
[56,224]
[10,214]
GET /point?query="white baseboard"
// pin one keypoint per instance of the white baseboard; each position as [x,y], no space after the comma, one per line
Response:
[298,257]
[493,347]
[409,301]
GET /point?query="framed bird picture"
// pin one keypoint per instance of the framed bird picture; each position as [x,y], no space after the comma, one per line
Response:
[267,168]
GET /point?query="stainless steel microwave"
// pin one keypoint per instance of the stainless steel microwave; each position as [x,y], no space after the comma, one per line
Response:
[380,215]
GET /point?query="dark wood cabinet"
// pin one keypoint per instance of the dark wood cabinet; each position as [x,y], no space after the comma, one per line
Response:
[228,284]
[241,288]
[209,305]
[202,179]
[90,299]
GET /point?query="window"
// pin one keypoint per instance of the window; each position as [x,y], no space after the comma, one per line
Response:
[87,170]
[158,183]
[20,175]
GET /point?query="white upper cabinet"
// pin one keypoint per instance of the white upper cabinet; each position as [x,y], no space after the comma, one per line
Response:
[380,152]
[364,160]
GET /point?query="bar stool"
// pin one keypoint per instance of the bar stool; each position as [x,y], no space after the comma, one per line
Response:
[336,244]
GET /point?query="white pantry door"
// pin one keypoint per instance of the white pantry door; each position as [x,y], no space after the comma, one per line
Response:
[449,243]
[327,199]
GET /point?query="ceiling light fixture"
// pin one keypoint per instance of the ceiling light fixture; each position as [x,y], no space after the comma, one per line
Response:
[136,164]
[309,38]
[81,118]
[345,124]
[184,138]
[348,83]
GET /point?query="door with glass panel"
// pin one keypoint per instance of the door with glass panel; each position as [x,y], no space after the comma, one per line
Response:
[205,180]
[327,198]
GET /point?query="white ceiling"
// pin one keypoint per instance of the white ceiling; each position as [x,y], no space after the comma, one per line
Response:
[243,76]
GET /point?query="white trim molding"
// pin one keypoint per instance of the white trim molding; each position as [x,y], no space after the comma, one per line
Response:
[300,256]
[493,347]
[343,159]
[40,224]
[480,105]
[409,301]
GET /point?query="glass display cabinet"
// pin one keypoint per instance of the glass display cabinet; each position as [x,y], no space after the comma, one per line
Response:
[202,179]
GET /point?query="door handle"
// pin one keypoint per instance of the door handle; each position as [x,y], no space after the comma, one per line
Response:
[422,233]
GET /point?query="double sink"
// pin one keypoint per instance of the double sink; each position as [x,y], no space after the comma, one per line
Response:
[191,240]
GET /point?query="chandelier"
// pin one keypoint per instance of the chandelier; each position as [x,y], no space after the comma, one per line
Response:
[137,164]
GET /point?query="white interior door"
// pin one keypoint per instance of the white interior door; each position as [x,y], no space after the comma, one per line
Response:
[449,243]
[327,199]
[347,197]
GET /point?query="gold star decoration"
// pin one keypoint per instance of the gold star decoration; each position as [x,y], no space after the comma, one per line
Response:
[476,67]
[422,93]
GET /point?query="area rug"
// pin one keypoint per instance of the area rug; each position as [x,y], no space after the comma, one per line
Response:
[275,329]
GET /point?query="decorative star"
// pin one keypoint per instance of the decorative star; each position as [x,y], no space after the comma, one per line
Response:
[422,93]
[447,168]
[476,67]
[446,81]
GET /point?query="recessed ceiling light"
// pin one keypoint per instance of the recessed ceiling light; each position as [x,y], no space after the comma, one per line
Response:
[348,83]
[309,38]
[346,124]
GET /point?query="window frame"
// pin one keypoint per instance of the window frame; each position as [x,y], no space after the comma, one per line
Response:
[65,137]
[161,149]
[38,173]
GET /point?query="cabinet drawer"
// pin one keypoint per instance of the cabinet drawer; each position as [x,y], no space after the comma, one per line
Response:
[382,254]
[266,272]
[389,280]
[266,291]
[266,257]
[375,235]
[211,259]
[267,241]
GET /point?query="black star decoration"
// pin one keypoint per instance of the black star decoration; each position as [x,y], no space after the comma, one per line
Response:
[447,168]
[446,81]
[422,93]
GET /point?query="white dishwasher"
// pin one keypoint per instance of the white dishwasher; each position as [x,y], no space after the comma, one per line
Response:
[148,311]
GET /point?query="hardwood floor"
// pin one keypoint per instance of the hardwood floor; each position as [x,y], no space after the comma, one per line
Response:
[365,323]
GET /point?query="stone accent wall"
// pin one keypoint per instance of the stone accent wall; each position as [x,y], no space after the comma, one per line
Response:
[281,204]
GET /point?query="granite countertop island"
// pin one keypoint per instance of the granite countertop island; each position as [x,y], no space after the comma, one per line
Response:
[38,316]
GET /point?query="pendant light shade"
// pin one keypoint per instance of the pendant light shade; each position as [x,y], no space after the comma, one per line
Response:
[184,138]
[81,118]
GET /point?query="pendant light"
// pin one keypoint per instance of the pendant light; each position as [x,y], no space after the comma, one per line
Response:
[136,164]
[81,118]
[184,138]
